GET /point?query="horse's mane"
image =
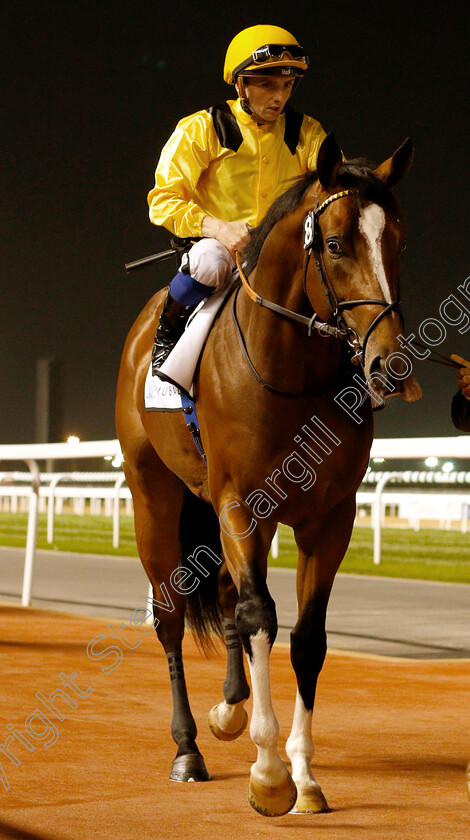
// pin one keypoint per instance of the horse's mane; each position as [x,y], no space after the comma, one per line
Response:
[354,174]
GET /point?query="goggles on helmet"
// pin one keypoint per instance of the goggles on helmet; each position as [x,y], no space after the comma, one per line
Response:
[272,53]
[276,52]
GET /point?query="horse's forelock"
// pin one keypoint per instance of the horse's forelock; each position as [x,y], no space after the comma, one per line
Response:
[359,175]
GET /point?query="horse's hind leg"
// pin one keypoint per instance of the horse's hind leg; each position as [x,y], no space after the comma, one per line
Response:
[158,499]
[320,555]
[228,720]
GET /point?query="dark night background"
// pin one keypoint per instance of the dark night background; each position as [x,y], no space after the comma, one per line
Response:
[91,91]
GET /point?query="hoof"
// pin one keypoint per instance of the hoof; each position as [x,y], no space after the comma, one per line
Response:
[272,801]
[468,779]
[189,768]
[311,802]
[222,734]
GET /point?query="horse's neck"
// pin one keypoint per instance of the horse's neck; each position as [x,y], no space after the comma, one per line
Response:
[282,351]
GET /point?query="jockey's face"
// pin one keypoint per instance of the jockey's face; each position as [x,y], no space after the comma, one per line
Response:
[267,96]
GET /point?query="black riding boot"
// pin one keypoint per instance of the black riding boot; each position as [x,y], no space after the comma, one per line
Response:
[170,328]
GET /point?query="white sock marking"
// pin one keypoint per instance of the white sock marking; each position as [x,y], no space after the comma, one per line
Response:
[299,747]
[264,728]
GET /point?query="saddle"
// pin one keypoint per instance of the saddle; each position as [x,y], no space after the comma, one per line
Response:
[175,392]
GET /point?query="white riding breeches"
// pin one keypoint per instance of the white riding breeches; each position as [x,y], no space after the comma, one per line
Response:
[210,263]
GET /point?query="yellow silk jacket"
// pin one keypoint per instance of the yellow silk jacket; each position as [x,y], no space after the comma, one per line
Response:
[231,171]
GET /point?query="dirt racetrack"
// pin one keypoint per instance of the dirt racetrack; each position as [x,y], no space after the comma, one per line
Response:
[392,742]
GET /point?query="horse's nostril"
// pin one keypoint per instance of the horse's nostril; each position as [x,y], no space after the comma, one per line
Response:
[380,379]
[377,365]
[397,366]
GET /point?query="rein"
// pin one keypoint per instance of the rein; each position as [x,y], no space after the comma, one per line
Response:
[315,322]
[271,388]
[312,244]
[445,361]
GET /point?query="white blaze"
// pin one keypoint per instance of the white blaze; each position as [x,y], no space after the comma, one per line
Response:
[371,225]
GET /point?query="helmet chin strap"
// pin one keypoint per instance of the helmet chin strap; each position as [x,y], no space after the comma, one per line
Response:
[241,90]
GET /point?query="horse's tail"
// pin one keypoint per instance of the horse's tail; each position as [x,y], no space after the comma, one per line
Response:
[200,550]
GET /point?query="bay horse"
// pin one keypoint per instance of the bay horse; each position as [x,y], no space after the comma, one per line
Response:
[268,371]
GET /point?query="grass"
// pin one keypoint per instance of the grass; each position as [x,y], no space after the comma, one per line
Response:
[429,554]
[83,534]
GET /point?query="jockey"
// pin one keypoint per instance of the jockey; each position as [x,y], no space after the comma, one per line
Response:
[223,167]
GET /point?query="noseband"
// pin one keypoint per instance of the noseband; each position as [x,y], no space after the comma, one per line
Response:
[313,245]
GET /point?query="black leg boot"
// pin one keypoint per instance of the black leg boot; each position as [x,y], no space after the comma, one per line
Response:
[170,328]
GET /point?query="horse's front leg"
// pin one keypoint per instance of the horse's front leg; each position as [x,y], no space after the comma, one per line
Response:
[271,790]
[227,720]
[308,648]
[320,554]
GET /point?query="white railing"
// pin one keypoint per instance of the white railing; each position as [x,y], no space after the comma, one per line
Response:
[51,495]
[31,453]
[402,448]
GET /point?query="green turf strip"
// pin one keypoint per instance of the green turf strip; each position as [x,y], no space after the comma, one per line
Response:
[427,554]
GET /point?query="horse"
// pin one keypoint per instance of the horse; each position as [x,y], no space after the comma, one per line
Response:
[281,445]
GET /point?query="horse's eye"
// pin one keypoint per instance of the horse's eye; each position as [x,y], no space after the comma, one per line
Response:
[404,244]
[334,247]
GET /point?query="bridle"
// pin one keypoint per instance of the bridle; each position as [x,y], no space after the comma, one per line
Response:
[313,245]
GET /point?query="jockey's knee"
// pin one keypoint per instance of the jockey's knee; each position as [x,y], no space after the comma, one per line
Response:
[210,263]
[206,267]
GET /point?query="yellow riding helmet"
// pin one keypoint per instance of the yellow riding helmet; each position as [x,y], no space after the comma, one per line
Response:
[264,49]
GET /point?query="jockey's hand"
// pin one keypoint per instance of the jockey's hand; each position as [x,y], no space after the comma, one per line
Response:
[234,235]
[463,377]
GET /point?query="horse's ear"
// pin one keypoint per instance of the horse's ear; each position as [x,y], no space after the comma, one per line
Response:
[392,170]
[329,161]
